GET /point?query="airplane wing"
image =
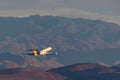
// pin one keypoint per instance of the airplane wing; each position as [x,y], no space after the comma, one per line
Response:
[52,53]
[35,52]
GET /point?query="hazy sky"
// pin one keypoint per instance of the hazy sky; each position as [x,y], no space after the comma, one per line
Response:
[92,9]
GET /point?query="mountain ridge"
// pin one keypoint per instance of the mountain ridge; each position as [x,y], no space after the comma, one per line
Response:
[75,39]
[88,71]
[84,71]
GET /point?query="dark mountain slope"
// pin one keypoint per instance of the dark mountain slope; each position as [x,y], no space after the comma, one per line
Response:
[88,71]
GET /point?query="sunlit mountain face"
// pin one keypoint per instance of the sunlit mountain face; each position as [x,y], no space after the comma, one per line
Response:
[75,39]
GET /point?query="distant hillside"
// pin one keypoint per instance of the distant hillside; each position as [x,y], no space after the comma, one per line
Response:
[75,40]
[28,74]
[88,71]
[82,71]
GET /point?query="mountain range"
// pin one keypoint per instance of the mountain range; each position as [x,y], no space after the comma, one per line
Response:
[75,39]
[82,71]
